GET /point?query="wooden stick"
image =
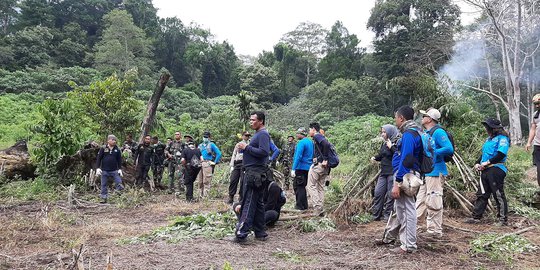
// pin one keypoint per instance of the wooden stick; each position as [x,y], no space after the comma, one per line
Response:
[287,218]
[368,184]
[463,206]
[459,194]
[507,234]
[461,229]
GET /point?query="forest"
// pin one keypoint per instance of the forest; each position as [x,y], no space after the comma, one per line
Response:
[74,71]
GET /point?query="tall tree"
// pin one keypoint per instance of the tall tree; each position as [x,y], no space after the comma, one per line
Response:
[144,15]
[123,46]
[343,56]
[308,37]
[8,14]
[171,44]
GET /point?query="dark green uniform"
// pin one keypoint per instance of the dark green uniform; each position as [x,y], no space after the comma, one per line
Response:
[144,157]
[287,160]
[157,161]
[174,153]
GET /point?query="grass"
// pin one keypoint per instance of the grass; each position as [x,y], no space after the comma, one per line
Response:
[289,256]
[31,190]
[363,218]
[317,225]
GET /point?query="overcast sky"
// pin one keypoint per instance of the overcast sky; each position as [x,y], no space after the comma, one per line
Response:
[252,26]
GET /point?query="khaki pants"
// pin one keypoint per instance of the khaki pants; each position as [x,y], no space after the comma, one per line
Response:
[429,202]
[315,187]
[205,178]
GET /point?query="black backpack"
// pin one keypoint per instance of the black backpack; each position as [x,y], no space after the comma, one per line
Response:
[447,158]
[333,158]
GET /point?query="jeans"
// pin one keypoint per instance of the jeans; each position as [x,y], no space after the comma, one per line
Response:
[104,179]
[383,201]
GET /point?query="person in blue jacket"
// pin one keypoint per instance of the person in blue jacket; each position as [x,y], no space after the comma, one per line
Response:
[406,164]
[211,155]
[302,160]
[275,153]
[491,164]
[429,201]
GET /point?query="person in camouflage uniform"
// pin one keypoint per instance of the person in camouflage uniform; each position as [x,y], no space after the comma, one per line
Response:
[143,157]
[158,159]
[287,158]
[174,152]
[129,149]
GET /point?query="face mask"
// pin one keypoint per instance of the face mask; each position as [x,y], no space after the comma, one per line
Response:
[205,140]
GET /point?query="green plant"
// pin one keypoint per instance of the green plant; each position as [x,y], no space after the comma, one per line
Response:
[317,225]
[503,249]
[289,256]
[37,189]
[363,218]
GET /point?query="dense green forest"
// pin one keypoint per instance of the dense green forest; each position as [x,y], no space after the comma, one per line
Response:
[73,71]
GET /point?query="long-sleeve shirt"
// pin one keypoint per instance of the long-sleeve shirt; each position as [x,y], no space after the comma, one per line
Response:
[407,156]
[237,155]
[322,147]
[385,158]
[109,159]
[441,147]
[207,151]
[303,155]
[257,151]
[275,151]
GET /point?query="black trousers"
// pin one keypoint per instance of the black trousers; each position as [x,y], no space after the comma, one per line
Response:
[253,213]
[299,186]
[142,174]
[536,162]
[493,182]
[189,178]
[236,175]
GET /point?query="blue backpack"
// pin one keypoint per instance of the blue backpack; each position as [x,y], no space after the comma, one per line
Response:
[426,156]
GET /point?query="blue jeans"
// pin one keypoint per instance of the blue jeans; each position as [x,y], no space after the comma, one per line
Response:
[252,215]
[105,177]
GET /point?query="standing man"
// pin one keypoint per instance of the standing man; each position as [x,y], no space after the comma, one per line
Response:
[158,160]
[211,156]
[534,138]
[406,164]
[255,163]
[303,158]
[130,147]
[109,164]
[319,172]
[237,171]
[174,154]
[430,196]
[191,159]
[143,160]
[287,159]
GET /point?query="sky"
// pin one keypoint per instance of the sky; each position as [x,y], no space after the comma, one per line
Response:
[252,26]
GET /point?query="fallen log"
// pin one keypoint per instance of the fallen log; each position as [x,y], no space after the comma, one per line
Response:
[15,161]
[506,235]
[287,218]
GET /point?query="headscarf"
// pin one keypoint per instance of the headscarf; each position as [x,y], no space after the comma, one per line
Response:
[391,132]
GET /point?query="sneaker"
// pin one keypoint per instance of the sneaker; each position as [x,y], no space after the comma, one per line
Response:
[382,242]
[399,250]
[501,224]
[472,221]
[262,239]
[238,240]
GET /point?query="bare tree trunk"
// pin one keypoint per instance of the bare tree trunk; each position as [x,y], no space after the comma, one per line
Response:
[153,104]
[490,84]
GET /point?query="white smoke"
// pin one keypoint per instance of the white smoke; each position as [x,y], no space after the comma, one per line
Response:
[468,61]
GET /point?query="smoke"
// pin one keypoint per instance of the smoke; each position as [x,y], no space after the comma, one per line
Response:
[467,62]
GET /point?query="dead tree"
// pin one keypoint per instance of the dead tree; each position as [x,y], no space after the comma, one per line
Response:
[153,104]
[16,161]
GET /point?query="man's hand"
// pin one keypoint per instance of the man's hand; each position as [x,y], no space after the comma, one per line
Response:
[528,147]
[120,173]
[98,172]
[293,173]
[241,145]
[478,167]
[237,209]
[324,163]
[395,191]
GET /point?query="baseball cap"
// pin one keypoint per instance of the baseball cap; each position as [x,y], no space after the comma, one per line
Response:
[492,123]
[432,113]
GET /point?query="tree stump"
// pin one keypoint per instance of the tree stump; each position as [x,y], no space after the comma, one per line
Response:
[15,161]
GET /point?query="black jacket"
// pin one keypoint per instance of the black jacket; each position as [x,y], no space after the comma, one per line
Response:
[109,159]
[385,157]
[273,199]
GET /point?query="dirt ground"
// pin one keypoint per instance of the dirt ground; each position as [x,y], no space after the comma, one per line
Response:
[35,235]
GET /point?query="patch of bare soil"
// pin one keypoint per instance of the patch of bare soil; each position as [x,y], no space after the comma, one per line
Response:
[42,236]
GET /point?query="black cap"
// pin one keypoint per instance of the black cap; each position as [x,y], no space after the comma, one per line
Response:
[188,136]
[206,134]
[492,123]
